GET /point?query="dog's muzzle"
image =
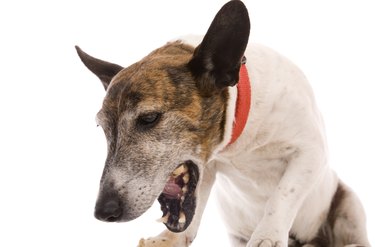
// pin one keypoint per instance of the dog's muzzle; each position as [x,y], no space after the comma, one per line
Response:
[177,200]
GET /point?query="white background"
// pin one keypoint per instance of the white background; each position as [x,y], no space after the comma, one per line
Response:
[52,153]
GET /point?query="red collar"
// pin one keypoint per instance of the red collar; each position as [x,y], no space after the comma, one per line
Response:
[242,103]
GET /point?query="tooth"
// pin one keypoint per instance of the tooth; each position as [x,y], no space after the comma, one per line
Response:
[182,218]
[164,219]
[179,170]
[186,178]
[184,189]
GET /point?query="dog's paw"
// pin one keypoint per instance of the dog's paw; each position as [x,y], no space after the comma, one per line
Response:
[269,235]
[271,238]
[265,243]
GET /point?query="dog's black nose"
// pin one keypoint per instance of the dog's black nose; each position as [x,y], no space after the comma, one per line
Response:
[109,211]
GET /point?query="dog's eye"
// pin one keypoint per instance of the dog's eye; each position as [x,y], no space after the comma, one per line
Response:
[149,120]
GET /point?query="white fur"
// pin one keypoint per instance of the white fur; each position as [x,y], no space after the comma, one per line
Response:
[274,179]
[280,159]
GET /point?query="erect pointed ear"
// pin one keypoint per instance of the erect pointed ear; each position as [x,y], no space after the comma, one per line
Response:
[102,69]
[216,61]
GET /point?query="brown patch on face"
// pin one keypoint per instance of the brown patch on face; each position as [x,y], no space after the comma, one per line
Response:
[163,83]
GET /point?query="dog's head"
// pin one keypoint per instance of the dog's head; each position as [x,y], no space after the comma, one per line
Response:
[163,117]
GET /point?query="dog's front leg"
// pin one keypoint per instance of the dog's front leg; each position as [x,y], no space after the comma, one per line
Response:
[184,239]
[301,175]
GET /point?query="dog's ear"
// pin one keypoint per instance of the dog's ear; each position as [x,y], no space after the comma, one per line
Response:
[216,61]
[102,69]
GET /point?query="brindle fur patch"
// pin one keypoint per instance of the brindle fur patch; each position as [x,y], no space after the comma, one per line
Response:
[163,82]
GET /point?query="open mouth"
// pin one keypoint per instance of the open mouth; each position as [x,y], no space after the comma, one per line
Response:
[178,199]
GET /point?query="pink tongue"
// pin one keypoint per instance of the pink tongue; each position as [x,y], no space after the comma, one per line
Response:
[172,190]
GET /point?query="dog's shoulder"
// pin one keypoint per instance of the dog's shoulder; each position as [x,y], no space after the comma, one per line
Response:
[283,105]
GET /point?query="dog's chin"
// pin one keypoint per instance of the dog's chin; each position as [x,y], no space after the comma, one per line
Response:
[178,199]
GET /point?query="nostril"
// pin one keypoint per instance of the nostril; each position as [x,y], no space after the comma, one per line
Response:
[110,211]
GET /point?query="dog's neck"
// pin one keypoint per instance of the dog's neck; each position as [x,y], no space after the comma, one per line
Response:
[243,100]
[237,113]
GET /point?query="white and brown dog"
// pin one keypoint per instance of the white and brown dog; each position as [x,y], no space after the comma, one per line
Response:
[185,116]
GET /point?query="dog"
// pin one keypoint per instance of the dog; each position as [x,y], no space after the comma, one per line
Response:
[242,116]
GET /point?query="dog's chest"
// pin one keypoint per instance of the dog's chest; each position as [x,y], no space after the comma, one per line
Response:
[246,181]
[243,189]
[256,174]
